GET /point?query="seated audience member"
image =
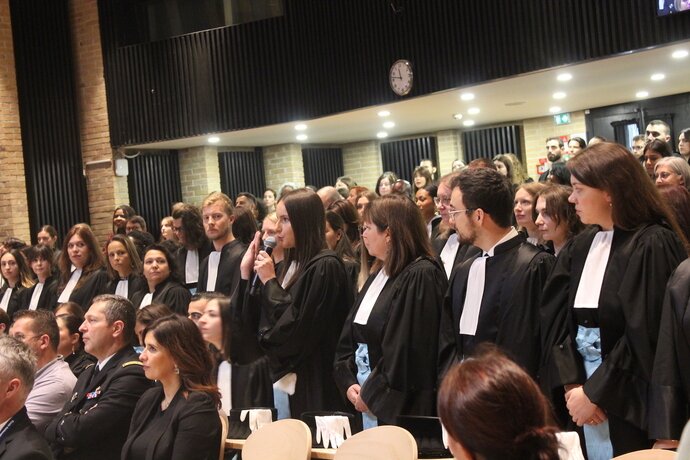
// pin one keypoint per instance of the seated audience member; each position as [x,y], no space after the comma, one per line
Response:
[54,379]
[69,308]
[71,346]
[188,225]
[146,316]
[17,280]
[167,233]
[672,171]
[47,236]
[141,241]
[20,440]
[522,209]
[162,283]
[491,409]
[135,223]
[82,273]
[329,195]
[421,177]
[245,385]
[220,270]
[177,419]
[121,215]
[654,151]
[555,216]
[124,268]
[43,294]
[4,322]
[95,421]
[244,226]
[197,304]
[384,362]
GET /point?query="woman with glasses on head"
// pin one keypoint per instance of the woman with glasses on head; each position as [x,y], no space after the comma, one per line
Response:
[82,273]
[43,294]
[17,279]
[124,268]
[298,313]
[177,419]
[603,300]
[383,364]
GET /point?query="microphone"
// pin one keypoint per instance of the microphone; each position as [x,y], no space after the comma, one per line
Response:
[267,246]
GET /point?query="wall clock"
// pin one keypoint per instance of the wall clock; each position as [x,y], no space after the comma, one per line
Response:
[401,77]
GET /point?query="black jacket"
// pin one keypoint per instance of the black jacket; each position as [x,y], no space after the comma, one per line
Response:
[21,441]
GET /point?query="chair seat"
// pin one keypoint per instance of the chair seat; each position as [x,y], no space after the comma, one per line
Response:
[287,439]
[381,443]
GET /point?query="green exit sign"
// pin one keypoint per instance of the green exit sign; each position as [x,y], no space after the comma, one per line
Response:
[562,118]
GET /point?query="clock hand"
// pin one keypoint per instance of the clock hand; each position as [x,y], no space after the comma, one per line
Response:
[399,74]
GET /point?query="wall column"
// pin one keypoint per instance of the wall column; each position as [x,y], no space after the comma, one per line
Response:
[283,163]
[199,173]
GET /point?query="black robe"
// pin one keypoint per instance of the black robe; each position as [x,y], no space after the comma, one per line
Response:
[89,286]
[135,284]
[401,334]
[168,292]
[228,268]
[16,301]
[181,258]
[628,315]
[464,252]
[48,298]
[509,312]
[670,390]
[297,330]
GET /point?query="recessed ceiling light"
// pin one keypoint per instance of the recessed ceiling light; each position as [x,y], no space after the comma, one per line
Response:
[384,113]
[679,54]
[213,140]
[467,96]
[388,124]
[468,123]
[458,116]
[641,94]
[473,110]
[559,95]
[658,77]
[301,137]
[301,127]
[564,77]
[381,134]
[554,109]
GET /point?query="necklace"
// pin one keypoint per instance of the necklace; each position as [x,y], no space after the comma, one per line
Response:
[165,403]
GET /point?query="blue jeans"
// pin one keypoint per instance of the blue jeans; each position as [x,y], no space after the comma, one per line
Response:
[363,371]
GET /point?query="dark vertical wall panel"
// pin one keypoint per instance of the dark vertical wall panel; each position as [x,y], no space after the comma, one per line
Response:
[322,166]
[324,57]
[154,185]
[486,143]
[55,184]
[242,172]
[402,157]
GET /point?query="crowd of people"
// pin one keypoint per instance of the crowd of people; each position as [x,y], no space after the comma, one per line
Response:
[378,302]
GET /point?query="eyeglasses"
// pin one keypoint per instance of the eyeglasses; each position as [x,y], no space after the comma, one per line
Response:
[442,200]
[451,214]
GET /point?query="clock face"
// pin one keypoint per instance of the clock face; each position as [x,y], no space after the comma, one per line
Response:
[400,77]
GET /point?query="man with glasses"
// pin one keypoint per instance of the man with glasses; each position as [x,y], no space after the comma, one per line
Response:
[493,297]
[637,147]
[54,380]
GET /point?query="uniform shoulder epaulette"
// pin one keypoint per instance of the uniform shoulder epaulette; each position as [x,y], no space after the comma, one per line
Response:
[132,363]
[89,365]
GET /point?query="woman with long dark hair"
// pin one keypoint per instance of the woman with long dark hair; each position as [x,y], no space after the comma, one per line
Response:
[338,241]
[121,215]
[88,279]
[17,279]
[162,283]
[603,299]
[177,419]
[124,268]
[43,294]
[299,311]
[71,345]
[383,364]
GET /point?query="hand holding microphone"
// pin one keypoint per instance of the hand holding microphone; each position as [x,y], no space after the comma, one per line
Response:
[264,252]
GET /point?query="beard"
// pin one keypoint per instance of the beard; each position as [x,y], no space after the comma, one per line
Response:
[553,157]
[468,236]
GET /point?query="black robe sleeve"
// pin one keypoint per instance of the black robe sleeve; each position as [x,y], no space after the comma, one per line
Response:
[94,284]
[174,295]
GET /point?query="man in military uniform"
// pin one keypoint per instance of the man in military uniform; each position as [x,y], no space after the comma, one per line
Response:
[95,422]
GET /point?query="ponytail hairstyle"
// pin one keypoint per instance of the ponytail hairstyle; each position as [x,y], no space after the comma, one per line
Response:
[490,406]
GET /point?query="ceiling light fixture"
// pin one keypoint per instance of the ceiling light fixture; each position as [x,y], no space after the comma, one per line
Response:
[564,77]
[473,110]
[213,140]
[559,95]
[388,124]
[554,109]
[641,94]
[301,127]
[467,96]
[384,113]
[382,134]
[457,116]
[468,123]
[658,77]
[301,137]
[679,54]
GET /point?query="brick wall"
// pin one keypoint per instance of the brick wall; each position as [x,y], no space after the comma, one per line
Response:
[536,130]
[449,149]
[362,162]
[283,163]
[13,201]
[105,190]
[199,173]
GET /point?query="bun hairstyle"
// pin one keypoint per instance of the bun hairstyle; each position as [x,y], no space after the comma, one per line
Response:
[495,410]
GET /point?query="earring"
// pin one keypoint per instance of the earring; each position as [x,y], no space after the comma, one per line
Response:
[176,370]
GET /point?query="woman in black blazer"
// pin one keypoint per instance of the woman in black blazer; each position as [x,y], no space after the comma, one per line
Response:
[41,262]
[17,278]
[124,268]
[178,419]
[162,284]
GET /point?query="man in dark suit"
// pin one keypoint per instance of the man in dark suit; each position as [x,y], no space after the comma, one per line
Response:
[95,422]
[19,440]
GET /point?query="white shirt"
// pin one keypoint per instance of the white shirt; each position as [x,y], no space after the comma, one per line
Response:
[122,288]
[589,288]
[6,298]
[225,386]
[370,297]
[191,267]
[289,274]
[33,303]
[448,253]
[146,301]
[67,292]
[213,262]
